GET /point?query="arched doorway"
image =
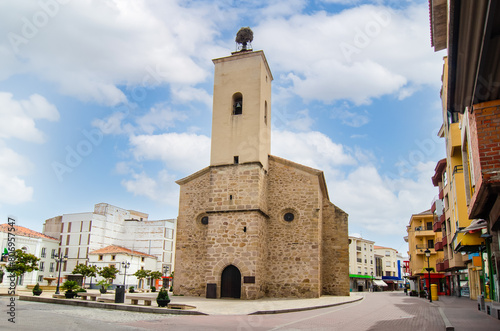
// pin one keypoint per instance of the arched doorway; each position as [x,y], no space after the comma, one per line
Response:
[230,283]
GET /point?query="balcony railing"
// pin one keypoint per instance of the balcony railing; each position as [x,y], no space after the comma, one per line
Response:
[445,240]
[433,206]
[442,218]
[438,246]
[359,260]
[437,226]
[441,194]
[423,231]
[446,264]
[440,265]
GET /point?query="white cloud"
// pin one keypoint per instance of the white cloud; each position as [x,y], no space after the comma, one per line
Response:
[82,48]
[159,117]
[313,149]
[162,188]
[358,54]
[184,152]
[17,118]
[12,165]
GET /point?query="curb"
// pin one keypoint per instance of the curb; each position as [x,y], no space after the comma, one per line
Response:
[293,310]
[91,304]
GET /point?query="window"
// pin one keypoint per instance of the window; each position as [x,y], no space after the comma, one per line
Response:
[67,240]
[387,253]
[100,258]
[142,259]
[430,243]
[388,273]
[51,268]
[359,270]
[236,159]
[41,265]
[113,257]
[44,253]
[387,263]
[237,104]
[429,225]
[53,253]
[40,278]
[265,110]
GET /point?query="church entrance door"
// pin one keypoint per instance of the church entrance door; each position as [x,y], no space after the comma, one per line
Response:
[231,282]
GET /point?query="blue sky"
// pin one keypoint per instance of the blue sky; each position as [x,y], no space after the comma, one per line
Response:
[110,101]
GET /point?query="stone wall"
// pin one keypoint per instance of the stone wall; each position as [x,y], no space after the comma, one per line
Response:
[294,247]
[335,251]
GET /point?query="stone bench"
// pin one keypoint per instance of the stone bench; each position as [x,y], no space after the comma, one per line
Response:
[93,296]
[493,310]
[134,300]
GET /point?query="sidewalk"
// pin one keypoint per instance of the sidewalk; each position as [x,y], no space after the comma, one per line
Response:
[203,306]
[463,314]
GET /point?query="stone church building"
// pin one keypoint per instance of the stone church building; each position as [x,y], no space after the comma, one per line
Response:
[251,224]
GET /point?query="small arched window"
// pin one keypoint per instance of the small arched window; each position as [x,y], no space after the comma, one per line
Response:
[265,112]
[237,104]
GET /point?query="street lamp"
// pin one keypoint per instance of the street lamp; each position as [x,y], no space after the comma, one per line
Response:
[373,288]
[125,265]
[59,259]
[428,254]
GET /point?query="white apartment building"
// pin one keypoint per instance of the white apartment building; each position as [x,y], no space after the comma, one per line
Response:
[108,225]
[36,243]
[361,263]
[392,263]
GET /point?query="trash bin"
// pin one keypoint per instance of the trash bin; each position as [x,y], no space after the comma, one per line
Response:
[120,294]
[434,292]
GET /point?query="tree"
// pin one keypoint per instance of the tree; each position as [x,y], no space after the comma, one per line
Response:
[108,273]
[154,275]
[85,270]
[21,263]
[141,274]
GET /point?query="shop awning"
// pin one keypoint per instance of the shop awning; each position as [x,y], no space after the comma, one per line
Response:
[379,282]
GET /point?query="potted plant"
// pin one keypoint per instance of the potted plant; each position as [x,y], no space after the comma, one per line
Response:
[413,293]
[423,294]
[37,290]
[131,289]
[70,286]
[162,299]
[104,285]
[153,288]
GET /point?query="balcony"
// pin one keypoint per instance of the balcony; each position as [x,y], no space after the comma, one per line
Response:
[441,194]
[433,206]
[446,264]
[439,265]
[420,249]
[445,240]
[438,246]
[421,231]
[436,226]
[442,218]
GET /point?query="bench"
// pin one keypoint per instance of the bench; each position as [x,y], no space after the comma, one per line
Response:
[110,300]
[134,300]
[93,296]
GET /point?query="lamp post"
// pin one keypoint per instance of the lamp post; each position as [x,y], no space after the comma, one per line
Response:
[125,265]
[59,259]
[373,288]
[428,254]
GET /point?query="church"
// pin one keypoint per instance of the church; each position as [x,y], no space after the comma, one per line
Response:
[252,224]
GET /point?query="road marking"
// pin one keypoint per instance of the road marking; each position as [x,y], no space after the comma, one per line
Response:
[317,315]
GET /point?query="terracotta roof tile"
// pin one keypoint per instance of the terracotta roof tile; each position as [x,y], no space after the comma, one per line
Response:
[113,249]
[22,231]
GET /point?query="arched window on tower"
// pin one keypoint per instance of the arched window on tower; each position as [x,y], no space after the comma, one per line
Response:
[237,104]
[265,112]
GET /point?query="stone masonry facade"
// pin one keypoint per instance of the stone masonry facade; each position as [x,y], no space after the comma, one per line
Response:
[234,215]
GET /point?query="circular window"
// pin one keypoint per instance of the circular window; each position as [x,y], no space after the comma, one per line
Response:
[204,220]
[289,217]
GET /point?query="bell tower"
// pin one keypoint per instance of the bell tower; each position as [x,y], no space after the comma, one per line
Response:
[241,120]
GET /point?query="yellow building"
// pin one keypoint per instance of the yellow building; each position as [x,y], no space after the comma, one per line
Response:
[450,208]
[421,237]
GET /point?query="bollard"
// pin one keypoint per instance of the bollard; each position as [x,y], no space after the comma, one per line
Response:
[434,292]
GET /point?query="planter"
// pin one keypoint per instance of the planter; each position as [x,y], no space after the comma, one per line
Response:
[69,295]
[162,302]
[37,293]
[102,290]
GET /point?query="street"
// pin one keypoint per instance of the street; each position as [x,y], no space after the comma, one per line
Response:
[377,311]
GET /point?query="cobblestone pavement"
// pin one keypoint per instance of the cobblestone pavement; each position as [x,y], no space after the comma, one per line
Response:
[377,311]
